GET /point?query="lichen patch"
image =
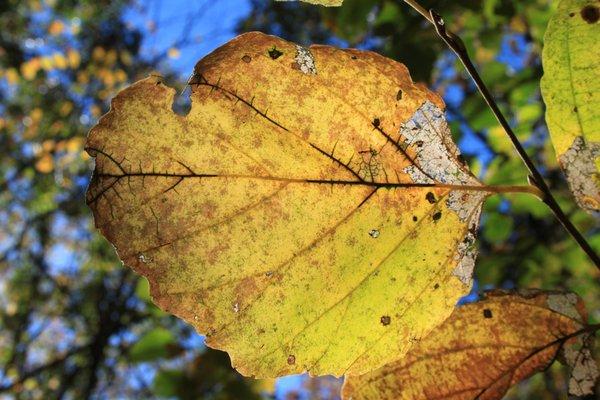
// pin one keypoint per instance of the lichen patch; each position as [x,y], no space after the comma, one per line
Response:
[466,254]
[565,304]
[436,161]
[579,165]
[305,61]
[584,370]
[428,133]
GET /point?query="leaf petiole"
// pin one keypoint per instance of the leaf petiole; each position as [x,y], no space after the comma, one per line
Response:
[535,179]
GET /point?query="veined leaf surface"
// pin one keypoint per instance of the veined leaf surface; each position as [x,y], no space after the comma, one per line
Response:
[571,91]
[486,347]
[308,214]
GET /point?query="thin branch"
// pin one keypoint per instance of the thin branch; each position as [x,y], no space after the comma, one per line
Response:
[535,178]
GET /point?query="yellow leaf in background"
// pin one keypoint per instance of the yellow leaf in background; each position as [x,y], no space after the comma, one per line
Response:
[45,164]
[74,58]
[327,3]
[173,52]
[110,58]
[74,145]
[65,108]
[308,214]
[48,145]
[98,54]
[59,61]
[107,76]
[30,68]
[571,90]
[95,110]
[126,58]
[36,114]
[12,76]
[47,63]
[120,75]
[56,28]
[83,77]
[486,347]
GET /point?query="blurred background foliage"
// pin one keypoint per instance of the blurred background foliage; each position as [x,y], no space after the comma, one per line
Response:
[75,324]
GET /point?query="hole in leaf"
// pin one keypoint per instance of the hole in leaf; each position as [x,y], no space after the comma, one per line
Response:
[274,53]
[590,14]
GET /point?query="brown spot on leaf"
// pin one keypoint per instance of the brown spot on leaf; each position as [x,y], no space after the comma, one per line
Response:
[246,58]
[430,197]
[487,313]
[376,122]
[385,320]
[415,218]
[291,360]
[436,286]
[437,216]
[590,14]
[399,95]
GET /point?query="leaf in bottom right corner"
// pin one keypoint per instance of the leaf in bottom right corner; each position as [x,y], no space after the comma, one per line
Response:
[486,347]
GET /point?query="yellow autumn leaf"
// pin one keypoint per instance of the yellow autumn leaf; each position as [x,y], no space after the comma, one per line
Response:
[12,76]
[486,347]
[59,61]
[98,54]
[308,214]
[45,164]
[571,91]
[46,63]
[56,27]
[30,68]
[111,57]
[74,58]
[326,3]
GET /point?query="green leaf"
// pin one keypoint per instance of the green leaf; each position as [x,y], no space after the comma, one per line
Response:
[155,344]
[168,382]
[570,88]
[497,228]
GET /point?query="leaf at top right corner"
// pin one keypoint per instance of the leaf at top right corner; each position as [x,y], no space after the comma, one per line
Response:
[571,91]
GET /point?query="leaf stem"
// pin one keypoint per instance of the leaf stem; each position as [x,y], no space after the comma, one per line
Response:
[535,178]
[516,189]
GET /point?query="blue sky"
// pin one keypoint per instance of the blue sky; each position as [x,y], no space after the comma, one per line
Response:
[207,23]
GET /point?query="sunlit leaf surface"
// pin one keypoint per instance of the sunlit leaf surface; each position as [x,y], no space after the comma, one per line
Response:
[571,90]
[308,214]
[486,347]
